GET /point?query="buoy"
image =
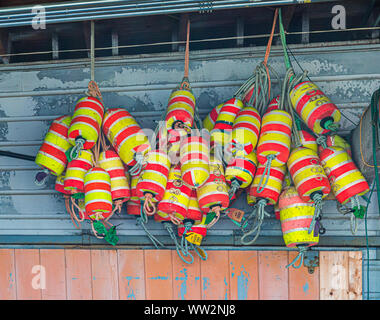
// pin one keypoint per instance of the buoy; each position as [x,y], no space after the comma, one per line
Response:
[180,110]
[307,140]
[85,124]
[209,121]
[314,107]
[194,212]
[176,197]
[275,137]
[308,174]
[213,195]
[76,171]
[347,182]
[110,161]
[309,179]
[245,131]
[296,216]
[153,179]
[274,104]
[98,198]
[127,137]
[221,134]
[51,155]
[194,161]
[240,171]
[133,208]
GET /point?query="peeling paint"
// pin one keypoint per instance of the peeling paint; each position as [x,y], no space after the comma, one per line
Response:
[183,288]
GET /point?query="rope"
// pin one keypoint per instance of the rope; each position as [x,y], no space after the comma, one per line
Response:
[148,203]
[266,173]
[186,73]
[169,228]
[375,119]
[76,150]
[184,243]
[136,169]
[68,209]
[260,215]
[235,185]
[301,253]
[140,221]
[322,140]
[317,198]
[215,210]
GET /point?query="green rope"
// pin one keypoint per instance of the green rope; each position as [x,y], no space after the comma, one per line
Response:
[283,41]
[260,215]
[197,250]
[301,253]
[235,185]
[169,228]
[374,117]
[322,140]
[261,186]
[184,243]
[109,235]
[318,209]
[76,150]
[136,169]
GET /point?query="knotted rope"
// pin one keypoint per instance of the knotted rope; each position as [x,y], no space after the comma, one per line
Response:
[169,228]
[266,173]
[315,224]
[301,254]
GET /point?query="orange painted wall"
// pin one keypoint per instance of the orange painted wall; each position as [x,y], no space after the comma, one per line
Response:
[161,274]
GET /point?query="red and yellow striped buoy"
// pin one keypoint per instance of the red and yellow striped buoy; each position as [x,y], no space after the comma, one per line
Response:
[125,135]
[134,179]
[221,134]
[307,173]
[111,162]
[275,138]
[76,171]
[176,197]
[180,109]
[241,171]
[60,183]
[194,212]
[308,140]
[209,121]
[133,208]
[214,193]
[98,198]
[296,216]
[86,122]
[153,179]
[245,131]
[336,141]
[51,154]
[272,190]
[345,178]
[313,106]
[194,159]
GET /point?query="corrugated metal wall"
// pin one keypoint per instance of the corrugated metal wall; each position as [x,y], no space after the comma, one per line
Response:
[31,95]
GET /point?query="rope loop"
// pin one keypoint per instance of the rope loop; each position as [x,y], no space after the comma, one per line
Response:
[148,206]
[322,141]
[169,228]
[155,241]
[76,150]
[266,173]
[301,254]
[235,185]
[136,169]
[317,198]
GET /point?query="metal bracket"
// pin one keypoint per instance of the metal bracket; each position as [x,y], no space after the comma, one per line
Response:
[206,6]
[311,260]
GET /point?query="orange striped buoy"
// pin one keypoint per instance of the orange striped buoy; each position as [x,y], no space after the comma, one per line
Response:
[314,107]
[51,155]
[336,141]
[85,124]
[245,131]
[308,140]
[126,136]
[194,161]
[209,121]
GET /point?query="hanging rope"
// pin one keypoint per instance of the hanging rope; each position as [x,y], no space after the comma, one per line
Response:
[317,198]
[185,82]
[235,185]
[260,214]
[136,169]
[266,173]
[169,228]
[301,254]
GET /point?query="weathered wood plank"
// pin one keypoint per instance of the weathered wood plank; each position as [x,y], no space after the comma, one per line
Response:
[333,275]
[215,276]
[78,274]
[7,275]
[186,278]
[244,278]
[273,275]
[131,274]
[158,274]
[53,261]
[29,278]
[104,266]
[302,284]
[355,290]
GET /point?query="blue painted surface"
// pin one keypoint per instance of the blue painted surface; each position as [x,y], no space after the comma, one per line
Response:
[183,288]
[242,284]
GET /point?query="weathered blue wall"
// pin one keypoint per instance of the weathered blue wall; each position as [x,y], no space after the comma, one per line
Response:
[32,95]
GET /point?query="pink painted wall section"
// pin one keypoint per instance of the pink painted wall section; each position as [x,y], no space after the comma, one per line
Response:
[76,274]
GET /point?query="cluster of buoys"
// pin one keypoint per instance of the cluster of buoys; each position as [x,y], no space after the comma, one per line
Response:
[285,154]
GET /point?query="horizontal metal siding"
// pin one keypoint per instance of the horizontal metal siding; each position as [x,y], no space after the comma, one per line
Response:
[31,95]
